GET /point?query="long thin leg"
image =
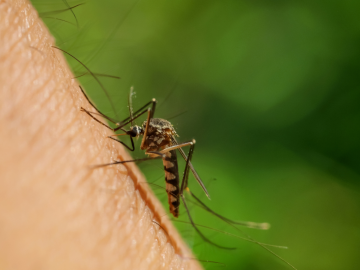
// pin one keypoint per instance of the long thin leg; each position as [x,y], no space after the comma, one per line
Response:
[92,74]
[253,225]
[197,229]
[197,177]
[122,124]
[97,120]
[153,102]
[230,222]
[127,161]
[89,113]
[87,98]
[130,105]
[183,186]
[177,146]
[119,124]
[113,121]
[104,116]
[113,129]
[153,107]
[184,182]
[146,129]
[124,144]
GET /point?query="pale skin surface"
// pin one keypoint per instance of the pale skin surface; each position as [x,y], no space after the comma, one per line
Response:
[55,212]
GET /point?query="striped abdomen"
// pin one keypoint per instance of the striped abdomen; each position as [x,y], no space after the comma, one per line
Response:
[172,181]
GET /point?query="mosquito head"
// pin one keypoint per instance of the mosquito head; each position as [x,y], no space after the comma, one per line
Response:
[135,131]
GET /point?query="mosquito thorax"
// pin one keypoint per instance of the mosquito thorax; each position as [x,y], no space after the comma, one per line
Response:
[159,126]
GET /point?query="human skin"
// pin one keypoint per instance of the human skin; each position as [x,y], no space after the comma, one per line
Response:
[55,211]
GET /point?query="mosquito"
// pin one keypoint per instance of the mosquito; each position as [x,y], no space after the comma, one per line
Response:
[158,141]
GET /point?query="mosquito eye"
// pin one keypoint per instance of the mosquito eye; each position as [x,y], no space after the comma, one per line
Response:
[132,132]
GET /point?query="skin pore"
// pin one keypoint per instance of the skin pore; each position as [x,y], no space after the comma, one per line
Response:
[55,211]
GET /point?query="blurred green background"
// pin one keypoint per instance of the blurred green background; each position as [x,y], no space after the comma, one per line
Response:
[271,93]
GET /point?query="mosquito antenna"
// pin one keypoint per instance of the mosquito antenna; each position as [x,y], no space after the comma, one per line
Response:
[93,75]
[130,105]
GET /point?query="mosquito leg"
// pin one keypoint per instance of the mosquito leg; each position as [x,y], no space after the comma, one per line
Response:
[172,175]
[197,177]
[87,98]
[253,225]
[126,120]
[112,120]
[197,229]
[97,120]
[121,127]
[125,161]
[177,146]
[130,105]
[184,182]
[146,130]
[183,186]
[153,107]
[153,102]
[122,124]
[103,115]
[156,153]
[124,144]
